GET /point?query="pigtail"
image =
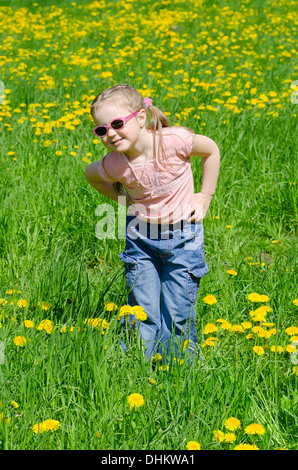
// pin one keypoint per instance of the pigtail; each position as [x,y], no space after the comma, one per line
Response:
[158,119]
[157,122]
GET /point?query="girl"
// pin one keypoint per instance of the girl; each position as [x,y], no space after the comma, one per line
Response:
[164,252]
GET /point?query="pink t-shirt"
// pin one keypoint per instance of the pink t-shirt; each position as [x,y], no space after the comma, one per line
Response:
[160,193]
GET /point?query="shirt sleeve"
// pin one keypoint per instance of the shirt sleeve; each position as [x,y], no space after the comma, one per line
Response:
[184,142]
[103,170]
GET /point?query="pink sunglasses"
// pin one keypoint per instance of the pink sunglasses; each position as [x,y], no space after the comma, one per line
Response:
[117,124]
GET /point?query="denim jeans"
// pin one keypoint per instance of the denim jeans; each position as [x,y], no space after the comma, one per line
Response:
[163,267]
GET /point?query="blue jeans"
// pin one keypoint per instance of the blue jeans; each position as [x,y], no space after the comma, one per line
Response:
[163,268]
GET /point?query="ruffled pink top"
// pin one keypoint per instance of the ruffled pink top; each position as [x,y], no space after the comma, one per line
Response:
[162,192]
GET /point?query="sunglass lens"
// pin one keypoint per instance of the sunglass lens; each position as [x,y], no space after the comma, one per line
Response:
[117,124]
[101,131]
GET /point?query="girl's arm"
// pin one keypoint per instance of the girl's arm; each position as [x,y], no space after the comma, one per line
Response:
[207,149]
[105,188]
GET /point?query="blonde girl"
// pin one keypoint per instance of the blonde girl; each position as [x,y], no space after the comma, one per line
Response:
[148,162]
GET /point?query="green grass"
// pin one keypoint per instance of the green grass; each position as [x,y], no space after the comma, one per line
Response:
[176,53]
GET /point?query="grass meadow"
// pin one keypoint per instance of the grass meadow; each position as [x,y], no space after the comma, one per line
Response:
[226,70]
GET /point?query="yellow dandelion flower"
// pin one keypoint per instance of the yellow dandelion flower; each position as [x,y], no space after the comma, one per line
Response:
[232,423]
[263,298]
[232,272]
[193,445]
[258,318]
[210,341]
[218,435]
[110,306]
[22,303]
[139,313]
[135,400]
[237,329]
[278,349]
[262,310]
[258,350]
[46,325]
[246,325]
[255,428]
[226,325]
[152,381]
[295,302]
[259,331]
[210,299]
[20,341]
[28,324]
[51,425]
[266,334]
[125,310]
[166,367]
[210,328]
[254,297]
[45,305]
[246,447]
[46,426]
[14,404]
[97,323]
[292,330]
[229,437]
[106,74]
[290,348]
[11,291]
[157,357]
[37,428]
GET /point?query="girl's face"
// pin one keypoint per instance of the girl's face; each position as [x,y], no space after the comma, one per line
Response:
[126,140]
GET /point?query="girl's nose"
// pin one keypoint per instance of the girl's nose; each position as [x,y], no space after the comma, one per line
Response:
[111,132]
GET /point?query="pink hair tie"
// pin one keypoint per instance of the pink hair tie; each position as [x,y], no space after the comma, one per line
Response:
[148,102]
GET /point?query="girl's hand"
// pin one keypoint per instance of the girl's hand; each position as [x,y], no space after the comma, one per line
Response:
[200,206]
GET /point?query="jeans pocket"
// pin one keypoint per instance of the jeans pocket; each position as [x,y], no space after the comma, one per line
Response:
[130,265]
[193,281]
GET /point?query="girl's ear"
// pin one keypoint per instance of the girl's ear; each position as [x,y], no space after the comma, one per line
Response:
[142,116]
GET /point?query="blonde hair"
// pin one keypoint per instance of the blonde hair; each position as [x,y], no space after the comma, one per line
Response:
[155,122]
[135,101]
